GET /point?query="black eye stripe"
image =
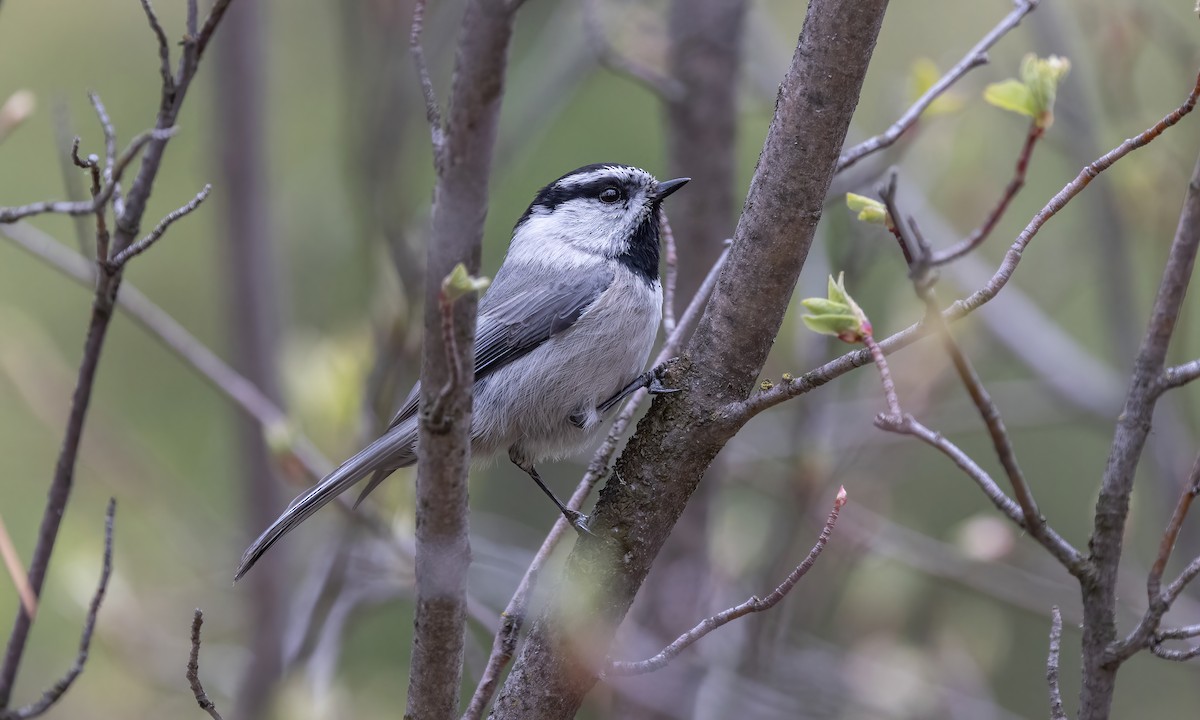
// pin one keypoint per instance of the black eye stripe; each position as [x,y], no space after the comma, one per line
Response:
[604,176]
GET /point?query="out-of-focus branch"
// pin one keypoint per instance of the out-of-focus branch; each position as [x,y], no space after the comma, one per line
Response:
[1100,662]
[679,437]
[656,82]
[463,167]
[193,670]
[505,642]
[433,113]
[974,58]
[56,691]
[1056,703]
[753,605]
[20,579]
[744,410]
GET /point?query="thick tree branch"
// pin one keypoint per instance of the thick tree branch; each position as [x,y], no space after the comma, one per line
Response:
[974,58]
[513,617]
[52,695]
[680,436]
[753,605]
[1112,506]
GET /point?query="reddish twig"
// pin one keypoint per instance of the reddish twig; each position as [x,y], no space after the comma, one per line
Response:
[193,669]
[1056,703]
[885,375]
[56,691]
[981,233]
[975,57]
[513,618]
[753,605]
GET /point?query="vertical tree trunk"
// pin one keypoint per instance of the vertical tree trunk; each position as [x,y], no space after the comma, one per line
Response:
[252,311]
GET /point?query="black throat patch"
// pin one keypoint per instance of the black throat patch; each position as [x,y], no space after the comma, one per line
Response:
[642,255]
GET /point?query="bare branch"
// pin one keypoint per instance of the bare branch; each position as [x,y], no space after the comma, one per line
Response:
[87,207]
[56,691]
[1056,703]
[753,605]
[513,617]
[1102,654]
[742,411]
[974,58]
[671,275]
[144,244]
[1179,633]
[193,670]
[1180,375]
[164,46]
[433,113]
[885,376]
[667,88]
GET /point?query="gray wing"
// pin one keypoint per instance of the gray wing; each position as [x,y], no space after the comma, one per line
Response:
[522,310]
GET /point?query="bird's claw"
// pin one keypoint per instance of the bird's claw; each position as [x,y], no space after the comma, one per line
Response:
[579,521]
[656,386]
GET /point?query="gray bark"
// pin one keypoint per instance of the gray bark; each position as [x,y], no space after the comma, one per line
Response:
[682,433]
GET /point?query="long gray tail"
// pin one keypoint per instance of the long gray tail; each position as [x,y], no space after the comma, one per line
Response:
[395,449]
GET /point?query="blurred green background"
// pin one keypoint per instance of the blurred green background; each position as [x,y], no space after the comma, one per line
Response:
[924,606]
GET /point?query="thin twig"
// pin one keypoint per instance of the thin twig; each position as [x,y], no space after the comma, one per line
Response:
[513,618]
[87,207]
[193,669]
[671,274]
[974,58]
[753,605]
[1056,703]
[741,412]
[164,46]
[16,571]
[433,112]
[885,375]
[144,244]
[1175,655]
[981,233]
[110,149]
[665,87]
[1180,375]
[56,691]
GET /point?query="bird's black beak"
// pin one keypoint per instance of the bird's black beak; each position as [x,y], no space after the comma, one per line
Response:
[667,187]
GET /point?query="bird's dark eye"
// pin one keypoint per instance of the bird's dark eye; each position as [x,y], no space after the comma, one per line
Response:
[610,195]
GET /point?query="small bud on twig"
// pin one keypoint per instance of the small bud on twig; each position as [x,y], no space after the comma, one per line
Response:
[1033,95]
[837,315]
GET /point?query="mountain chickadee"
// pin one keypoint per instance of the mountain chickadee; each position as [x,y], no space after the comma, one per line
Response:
[563,334]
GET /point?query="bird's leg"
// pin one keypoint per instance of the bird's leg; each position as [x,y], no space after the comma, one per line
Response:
[651,380]
[578,520]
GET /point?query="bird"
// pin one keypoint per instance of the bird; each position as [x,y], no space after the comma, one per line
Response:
[563,334]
